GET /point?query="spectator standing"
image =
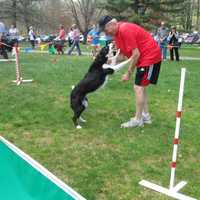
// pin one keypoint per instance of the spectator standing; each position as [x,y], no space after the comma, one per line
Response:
[2,28]
[76,40]
[32,37]
[13,32]
[163,33]
[61,37]
[173,39]
[70,37]
[94,34]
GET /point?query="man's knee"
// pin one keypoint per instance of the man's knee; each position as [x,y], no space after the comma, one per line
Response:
[138,89]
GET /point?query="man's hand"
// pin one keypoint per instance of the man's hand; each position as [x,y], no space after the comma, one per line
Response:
[135,56]
[126,77]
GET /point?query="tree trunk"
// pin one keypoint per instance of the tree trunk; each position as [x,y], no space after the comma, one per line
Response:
[188,20]
[14,12]
[198,16]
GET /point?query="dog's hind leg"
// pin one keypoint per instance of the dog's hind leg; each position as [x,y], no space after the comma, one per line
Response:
[85,104]
[82,120]
[77,114]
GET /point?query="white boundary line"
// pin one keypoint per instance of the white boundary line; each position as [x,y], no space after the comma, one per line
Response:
[42,170]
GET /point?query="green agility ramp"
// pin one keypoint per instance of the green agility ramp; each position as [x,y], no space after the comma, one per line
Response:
[22,178]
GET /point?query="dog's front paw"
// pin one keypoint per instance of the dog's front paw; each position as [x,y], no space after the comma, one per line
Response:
[82,120]
[106,66]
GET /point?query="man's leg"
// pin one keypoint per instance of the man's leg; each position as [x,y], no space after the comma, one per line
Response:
[78,48]
[146,108]
[71,49]
[140,101]
[165,52]
[145,114]
[162,50]
[142,110]
[137,120]
[171,54]
[176,53]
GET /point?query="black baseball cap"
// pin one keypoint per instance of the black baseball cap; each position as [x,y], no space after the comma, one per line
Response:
[103,21]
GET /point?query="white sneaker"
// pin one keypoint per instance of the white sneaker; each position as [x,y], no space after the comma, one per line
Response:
[146,118]
[133,123]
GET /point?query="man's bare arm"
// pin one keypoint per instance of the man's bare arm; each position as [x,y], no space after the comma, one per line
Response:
[135,56]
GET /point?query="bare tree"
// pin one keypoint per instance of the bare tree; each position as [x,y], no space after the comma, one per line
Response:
[21,11]
[54,14]
[84,13]
[8,10]
[29,11]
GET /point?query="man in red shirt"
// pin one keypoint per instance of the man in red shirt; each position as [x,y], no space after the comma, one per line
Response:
[133,41]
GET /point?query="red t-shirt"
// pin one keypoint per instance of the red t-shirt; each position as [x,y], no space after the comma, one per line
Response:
[62,34]
[130,36]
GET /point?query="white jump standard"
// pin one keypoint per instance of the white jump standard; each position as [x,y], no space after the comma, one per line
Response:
[19,79]
[173,190]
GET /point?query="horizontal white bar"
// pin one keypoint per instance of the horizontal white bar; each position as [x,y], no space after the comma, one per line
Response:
[23,81]
[165,191]
[7,60]
[26,81]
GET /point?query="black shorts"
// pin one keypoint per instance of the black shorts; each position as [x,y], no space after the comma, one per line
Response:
[148,74]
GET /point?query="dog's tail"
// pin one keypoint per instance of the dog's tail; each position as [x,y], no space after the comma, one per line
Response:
[72,87]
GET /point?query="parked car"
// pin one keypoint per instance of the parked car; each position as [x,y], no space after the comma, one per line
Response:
[47,38]
[21,38]
[192,38]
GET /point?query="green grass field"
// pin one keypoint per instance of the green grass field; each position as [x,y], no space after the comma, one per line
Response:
[102,161]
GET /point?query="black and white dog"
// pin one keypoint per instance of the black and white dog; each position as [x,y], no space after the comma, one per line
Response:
[93,79]
[6,45]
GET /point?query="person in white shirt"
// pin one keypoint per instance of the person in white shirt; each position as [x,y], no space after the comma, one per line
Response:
[76,40]
[13,32]
[70,37]
[32,36]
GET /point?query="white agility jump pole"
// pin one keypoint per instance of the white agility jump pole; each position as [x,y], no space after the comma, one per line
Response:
[19,78]
[173,190]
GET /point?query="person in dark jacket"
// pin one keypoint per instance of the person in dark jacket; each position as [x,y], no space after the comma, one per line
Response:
[173,44]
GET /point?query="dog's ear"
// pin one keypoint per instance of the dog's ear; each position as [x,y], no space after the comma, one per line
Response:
[103,52]
[101,57]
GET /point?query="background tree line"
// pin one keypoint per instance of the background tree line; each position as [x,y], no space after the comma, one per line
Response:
[46,15]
